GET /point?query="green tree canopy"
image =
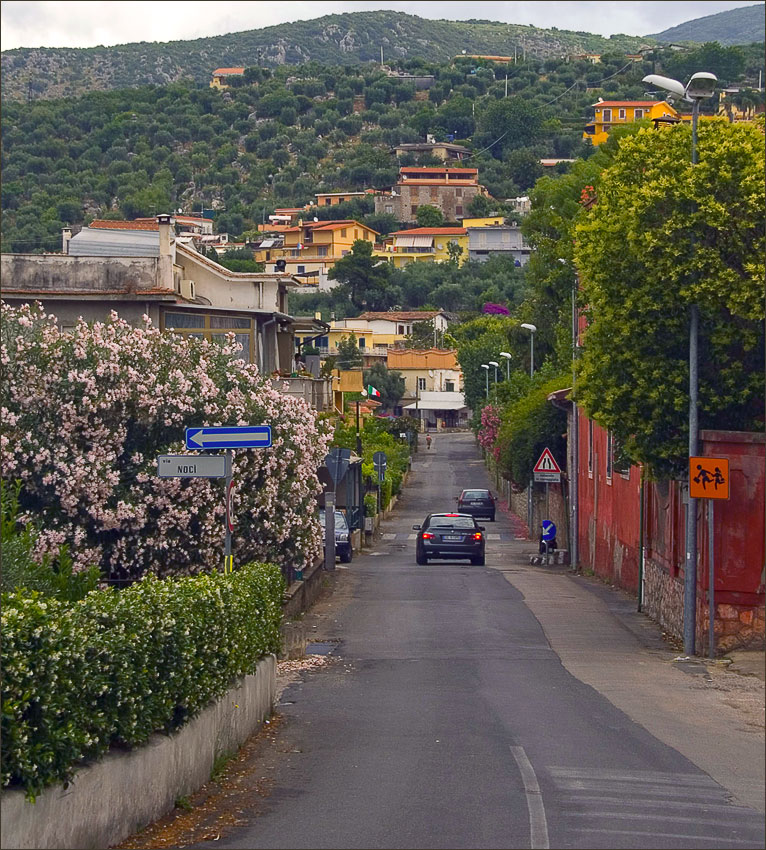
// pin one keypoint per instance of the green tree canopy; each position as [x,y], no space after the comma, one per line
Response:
[429,216]
[349,356]
[388,382]
[664,235]
[364,279]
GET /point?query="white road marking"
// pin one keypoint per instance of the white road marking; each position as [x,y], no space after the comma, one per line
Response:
[716,840]
[389,536]
[493,537]
[412,537]
[538,825]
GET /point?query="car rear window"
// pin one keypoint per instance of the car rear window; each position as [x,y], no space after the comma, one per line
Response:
[451,522]
[475,494]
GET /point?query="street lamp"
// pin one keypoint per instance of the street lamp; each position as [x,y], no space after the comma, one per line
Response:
[531,329]
[486,375]
[700,85]
[507,363]
[496,365]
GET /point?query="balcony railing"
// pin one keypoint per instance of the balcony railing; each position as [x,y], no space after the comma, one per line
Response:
[316,391]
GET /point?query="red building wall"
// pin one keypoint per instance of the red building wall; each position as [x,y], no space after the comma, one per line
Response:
[609,535]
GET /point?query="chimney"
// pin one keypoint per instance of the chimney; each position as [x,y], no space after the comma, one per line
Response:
[66,235]
[164,222]
[165,265]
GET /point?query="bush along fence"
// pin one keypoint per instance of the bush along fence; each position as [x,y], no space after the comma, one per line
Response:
[116,666]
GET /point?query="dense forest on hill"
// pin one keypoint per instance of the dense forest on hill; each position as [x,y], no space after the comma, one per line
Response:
[284,135]
[31,73]
[736,26]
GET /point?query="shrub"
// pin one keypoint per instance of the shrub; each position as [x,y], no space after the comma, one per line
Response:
[370,504]
[119,665]
[86,414]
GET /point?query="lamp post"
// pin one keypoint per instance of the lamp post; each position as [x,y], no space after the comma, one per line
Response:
[531,329]
[486,376]
[700,85]
[358,432]
[496,365]
[507,364]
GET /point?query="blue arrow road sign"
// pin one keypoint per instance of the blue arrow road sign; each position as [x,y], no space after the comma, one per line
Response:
[244,437]
[549,530]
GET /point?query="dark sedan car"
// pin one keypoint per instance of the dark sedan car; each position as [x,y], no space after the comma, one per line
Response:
[478,503]
[449,536]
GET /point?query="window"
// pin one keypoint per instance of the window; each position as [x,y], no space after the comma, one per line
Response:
[213,327]
[421,383]
[414,210]
[400,329]
[622,114]
[323,342]
[301,269]
[356,233]
[361,342]
[621,461]
[322,250]
[449,386]
[389,208]
[458,210]
[343,232]
[590,447]
[458,192]
[327,202]
[607,116]
[434,193]
[609,455]
[638,114]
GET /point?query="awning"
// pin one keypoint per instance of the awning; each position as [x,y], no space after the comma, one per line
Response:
[435,405]
[268,243]
[414,241]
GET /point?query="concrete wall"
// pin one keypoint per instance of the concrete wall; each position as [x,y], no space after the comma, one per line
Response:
[125,791]
[54,272]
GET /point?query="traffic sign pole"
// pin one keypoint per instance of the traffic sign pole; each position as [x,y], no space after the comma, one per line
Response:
[228,558]
[711,575]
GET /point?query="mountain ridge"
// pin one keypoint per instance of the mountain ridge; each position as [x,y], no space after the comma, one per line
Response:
[735,26]
[340,39]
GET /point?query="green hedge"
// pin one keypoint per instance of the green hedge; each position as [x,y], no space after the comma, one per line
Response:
[119,665]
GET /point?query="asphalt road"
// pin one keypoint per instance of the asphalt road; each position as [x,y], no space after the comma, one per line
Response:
[449,721]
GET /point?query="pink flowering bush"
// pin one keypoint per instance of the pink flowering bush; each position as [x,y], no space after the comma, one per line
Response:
[85,414]
[488,430]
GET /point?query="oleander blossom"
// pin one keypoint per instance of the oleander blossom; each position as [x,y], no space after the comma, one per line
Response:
[84,416]
[490,425]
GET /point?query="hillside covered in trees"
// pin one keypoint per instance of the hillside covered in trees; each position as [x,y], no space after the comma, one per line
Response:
[285,134]
[30,73]
[736,26]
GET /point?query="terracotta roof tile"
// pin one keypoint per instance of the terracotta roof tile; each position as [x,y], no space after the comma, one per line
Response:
[405,316]
[103,224]
[228,71]
[430,231]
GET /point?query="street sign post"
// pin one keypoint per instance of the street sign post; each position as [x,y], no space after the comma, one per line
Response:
[709,479]
[548,471]
[337,462]
[192,466]
[381,461]
[219,437]
[548,535]
[229,437]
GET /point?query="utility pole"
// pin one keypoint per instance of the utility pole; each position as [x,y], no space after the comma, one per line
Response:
[506,85]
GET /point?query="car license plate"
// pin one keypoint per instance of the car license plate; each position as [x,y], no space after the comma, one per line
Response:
[452,538]
[476,503]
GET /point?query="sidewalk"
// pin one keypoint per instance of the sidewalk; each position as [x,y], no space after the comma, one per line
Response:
[709,711]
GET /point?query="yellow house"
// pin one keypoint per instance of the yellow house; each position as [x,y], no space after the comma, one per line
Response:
[315,246]
[487,221]
[423,244]
[615,113]
[220,75]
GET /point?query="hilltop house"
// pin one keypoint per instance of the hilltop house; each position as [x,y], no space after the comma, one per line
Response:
[140,268]
[487,237]
[450,190]
[423,244]
[445,151]
[613,113]
[221,75]
[433,385]
[310,249]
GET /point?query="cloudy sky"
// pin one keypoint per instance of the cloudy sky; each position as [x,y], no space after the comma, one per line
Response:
[34,23]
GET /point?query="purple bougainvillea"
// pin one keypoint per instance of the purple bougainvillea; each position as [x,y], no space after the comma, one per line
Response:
[495,309]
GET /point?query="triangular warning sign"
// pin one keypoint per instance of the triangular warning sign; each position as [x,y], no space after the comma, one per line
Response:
[547,463]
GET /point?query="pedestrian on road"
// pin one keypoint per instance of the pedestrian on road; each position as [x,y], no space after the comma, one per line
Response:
[428,441]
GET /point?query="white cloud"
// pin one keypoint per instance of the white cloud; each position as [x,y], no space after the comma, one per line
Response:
[42,23]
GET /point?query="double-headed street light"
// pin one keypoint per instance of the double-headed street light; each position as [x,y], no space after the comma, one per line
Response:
[486,376]
[531,329]
[496,365]
[700,86]
[507,364]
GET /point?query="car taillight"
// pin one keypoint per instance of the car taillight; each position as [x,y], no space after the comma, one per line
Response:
[427,535]
[477,535]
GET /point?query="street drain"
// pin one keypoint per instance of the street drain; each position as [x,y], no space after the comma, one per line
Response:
[320,648]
